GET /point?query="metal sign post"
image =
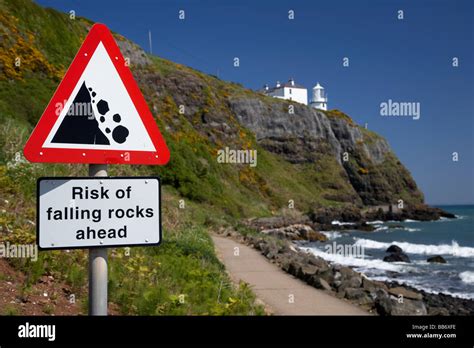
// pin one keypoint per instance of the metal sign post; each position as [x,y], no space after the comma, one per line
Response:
[98,269]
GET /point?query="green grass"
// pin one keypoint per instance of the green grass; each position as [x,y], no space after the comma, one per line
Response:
[181,276]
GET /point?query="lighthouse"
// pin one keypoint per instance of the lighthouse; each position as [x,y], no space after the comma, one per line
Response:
[319,99]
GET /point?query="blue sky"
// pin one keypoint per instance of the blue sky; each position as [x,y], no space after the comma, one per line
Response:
[407,60]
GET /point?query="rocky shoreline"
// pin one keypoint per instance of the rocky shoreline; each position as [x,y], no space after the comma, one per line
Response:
[277,239]
[351,218]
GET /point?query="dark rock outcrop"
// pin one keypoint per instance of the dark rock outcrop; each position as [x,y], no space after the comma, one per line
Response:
[436,259]
[296,232]
[394,249]
[397,257]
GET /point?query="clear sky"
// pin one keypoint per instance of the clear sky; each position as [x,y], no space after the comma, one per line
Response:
[407,60]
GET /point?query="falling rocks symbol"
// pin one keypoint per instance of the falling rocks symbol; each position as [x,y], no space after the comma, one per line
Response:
[81,126]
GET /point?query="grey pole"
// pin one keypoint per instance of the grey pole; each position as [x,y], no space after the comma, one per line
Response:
[98,276]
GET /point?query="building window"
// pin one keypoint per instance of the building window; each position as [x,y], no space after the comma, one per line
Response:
[290,90]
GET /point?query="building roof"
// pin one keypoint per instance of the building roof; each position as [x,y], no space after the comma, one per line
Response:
[288,84]
[282,85]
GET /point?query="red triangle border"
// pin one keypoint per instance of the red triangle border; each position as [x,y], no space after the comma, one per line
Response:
[34,151]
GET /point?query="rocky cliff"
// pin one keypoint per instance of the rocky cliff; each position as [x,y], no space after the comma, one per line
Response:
[301,135]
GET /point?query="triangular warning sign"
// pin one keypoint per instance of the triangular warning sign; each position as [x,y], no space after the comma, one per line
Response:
[97,114]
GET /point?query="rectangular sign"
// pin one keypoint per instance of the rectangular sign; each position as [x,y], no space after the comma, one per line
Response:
[98,212]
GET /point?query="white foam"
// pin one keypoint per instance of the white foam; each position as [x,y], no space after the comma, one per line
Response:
[331,235]
[376,222]
[412,229]
[467,277]
[356,261]
[381,228]
[424,249]
[336,222]
[410,220]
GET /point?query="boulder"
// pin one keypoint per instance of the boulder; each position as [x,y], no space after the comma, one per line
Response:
[276,222]
[306,271]
[327,275]
[327,215]
[394,249]
[296,232]
[397,257]
[320,283]
[436,259]
[372,285]
[408,307]
[293,267]
[385,304]
[318,262]
[397,291]
[350,282]
[360,296]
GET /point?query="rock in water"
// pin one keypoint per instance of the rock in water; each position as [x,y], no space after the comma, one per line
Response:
[397,257]
[436,259]
[396,254]
[394,249]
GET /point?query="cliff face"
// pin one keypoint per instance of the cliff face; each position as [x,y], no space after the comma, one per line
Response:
[370,165]
[313,158]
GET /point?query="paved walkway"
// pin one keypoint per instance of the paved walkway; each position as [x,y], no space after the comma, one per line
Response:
[275,287]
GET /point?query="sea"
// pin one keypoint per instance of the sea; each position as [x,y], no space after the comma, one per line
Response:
[453,239]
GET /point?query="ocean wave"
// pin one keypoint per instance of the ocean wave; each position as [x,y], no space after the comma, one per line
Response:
[331,235]
[410,220]
[424,249]
[356,261]
[467,277]
[336,222]
[381,228]
[412,229]
[376,222]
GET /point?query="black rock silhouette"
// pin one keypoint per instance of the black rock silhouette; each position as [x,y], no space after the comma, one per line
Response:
[79,126]
[120,134]
[103,107]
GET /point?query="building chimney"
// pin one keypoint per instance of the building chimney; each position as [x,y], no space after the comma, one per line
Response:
[292,82]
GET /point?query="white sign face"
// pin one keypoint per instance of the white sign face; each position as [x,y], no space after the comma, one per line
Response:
[100,113]
[98,212]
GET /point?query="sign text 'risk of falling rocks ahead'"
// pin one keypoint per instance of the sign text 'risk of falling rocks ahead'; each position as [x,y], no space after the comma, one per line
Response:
[98,212]
[97,114]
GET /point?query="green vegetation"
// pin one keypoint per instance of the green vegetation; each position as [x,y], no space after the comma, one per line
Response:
[181,276]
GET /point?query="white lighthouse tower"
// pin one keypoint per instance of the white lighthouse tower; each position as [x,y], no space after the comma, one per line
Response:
[319,99]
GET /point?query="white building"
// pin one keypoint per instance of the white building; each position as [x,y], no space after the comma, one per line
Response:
[298,93]
[289,91]
[319,99]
